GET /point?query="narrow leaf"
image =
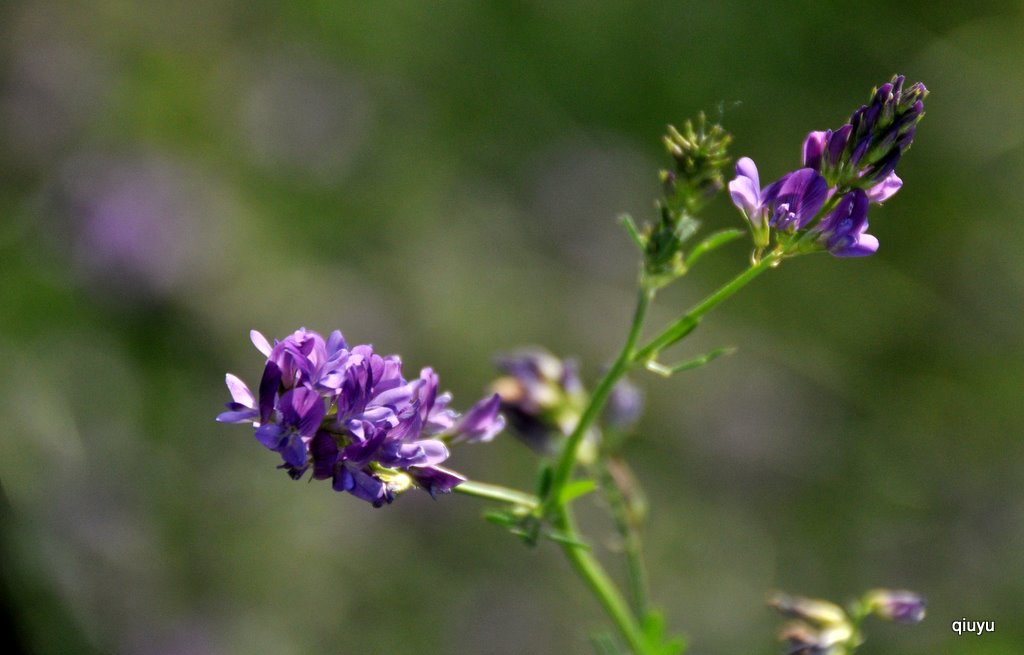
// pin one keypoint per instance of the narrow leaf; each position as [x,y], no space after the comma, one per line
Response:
[714,241]
[575,489]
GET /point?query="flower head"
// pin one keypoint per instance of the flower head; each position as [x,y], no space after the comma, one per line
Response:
[350,416]
[844,170]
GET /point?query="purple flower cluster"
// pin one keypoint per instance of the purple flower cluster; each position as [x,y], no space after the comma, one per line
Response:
[843,171]
[350,416]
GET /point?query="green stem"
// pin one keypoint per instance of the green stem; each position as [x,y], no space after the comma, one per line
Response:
[567,459]
[588,568]
[495,492]
[628,522]
[685,324]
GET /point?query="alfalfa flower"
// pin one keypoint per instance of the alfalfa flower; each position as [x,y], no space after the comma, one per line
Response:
[350,416]
[844,170]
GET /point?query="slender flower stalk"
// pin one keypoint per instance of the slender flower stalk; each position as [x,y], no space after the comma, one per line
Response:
[497,493]
[600,583]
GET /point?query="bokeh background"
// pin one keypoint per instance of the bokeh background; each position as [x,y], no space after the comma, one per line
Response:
[442,180]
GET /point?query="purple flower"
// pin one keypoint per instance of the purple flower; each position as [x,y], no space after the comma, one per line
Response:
[350,416]
[788,204]
[796,199]
[842,231]
[746,193]
[299,414]
[482,422]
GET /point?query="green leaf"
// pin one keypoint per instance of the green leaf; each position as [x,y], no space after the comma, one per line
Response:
[696,362]
[653,628]
[498,517]
[575,489]
[634,231]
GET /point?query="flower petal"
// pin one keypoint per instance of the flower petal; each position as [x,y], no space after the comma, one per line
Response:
[814,147]
[260,342]
[885,189]
[482,422]
[239,391]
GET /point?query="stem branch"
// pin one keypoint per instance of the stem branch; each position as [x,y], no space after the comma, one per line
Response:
[495,492]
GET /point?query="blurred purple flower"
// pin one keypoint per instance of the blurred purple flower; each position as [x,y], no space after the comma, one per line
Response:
[542,396]
[141,225]
[625,405]
[350,416]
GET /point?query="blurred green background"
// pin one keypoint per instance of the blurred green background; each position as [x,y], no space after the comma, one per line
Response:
[442,180]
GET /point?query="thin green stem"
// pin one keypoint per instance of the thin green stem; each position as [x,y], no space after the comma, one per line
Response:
[496,492]
[567,459]
[588,568]
[628,521]
[685,324]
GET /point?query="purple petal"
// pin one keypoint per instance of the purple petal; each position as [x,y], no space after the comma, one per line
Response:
[271,435]
[237,416]
[435,479]
[293,451]
[304,409]
[409,425]
[805,192]
[746,167]
[814,146]
[482,422]
[746,196]
[397,396]
[325,455]
[837,143]
[336,342]
[260,342]
[268,389]
[363,485]
[239,391]
[885,189]
[427,452]
[864,246]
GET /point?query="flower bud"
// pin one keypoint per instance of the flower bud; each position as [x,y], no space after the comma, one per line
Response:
[820,613]
[893,605]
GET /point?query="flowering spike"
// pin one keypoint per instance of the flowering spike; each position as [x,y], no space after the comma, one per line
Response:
[350,416]
[844,171]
